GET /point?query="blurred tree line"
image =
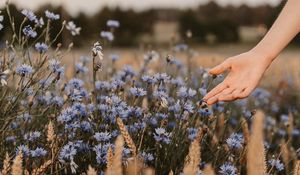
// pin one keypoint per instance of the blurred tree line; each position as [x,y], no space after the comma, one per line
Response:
[209,19]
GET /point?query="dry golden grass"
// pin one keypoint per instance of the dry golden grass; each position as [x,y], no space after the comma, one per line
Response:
[256,161]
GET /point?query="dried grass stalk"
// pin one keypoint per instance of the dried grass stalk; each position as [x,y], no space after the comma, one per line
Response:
[297,168]
[91,171]
[245,129]
[126,136]
[109,158]
[50,132]
[6,165]
[256,163]
[208,170]
[193,159]
[17,167]
[41,170]
[116,168]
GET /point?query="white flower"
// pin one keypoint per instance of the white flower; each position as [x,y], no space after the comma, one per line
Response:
[97,50]
[3,76]
[72,28]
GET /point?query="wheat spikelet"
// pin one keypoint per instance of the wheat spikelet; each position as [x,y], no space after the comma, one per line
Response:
[245,129]
[256,163]
[50,132]
[297,168]
[109,158]
[208,170]
[41,170]
[91,171]
[116,168]
[285,153]
[290,126]
[6,165]
[193,159]
[17,167]
[126,136]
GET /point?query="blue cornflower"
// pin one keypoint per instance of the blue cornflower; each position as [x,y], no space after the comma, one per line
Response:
[32,136]
[180,47]
[79,67]
[107,35]
[114,57]
[24,149]
[59,101]
[148,157]
[51,15]
[55,67]
[177,81]
[235,141]
[41,47]
[29,14]
[1,20]
[73,28]
[161,135]
[86,126]
[185,92]
[162,77]
[188,106]
[203,91]
[205,112]
[277,164]
[75,83]
[192,133]
[101,151]
[38,152]
[29,32]
[24,117]
[68,152]
[228,169]
[24,69]
[149,79]
[137,92]
[160,93]
[39,22]
[10,139]
[67,115]
[102,136]
[113,23]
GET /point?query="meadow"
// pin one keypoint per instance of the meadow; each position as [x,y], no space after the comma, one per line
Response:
[105,110]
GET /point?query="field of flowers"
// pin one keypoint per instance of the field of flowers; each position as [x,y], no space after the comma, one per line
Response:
[145,120]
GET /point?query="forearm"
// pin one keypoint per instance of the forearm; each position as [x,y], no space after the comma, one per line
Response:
[285,28]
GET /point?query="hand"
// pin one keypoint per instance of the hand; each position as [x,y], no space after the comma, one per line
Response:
[245,72]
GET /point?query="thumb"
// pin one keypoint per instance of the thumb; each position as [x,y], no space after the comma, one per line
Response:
[220,68]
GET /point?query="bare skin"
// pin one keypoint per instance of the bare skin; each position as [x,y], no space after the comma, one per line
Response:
[246,70]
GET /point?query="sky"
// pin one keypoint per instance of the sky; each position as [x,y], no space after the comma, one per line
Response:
[92,6]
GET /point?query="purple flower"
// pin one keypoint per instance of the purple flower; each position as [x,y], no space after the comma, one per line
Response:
[161,135]
[51,15]
[73,29]
[235,141]
[24,70]
[29,32]
[113,23]
[41,47]
[137,92]
[277,164]
[107,35]
[38,152]
[29,14]
[102,136]
[228,169]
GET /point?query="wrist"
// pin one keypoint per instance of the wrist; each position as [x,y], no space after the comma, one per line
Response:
[263,55]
